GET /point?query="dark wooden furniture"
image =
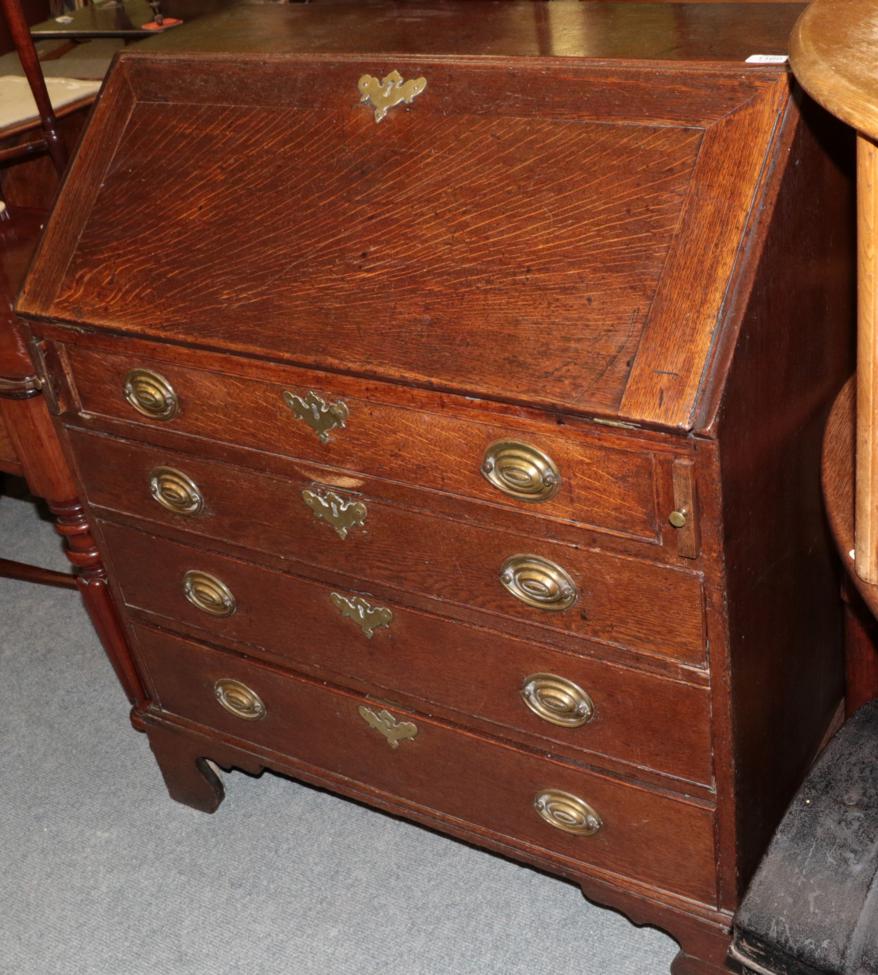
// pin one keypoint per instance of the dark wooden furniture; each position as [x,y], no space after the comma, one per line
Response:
[812,904]
[835,59]
[465,462]
[28,443]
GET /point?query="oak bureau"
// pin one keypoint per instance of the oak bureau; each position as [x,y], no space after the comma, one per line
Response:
[445,386]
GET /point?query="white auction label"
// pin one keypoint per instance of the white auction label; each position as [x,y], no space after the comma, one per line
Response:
[767,59]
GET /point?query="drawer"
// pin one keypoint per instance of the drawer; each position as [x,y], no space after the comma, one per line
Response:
[598,708]
[571,477]
[617,600]
[644,834]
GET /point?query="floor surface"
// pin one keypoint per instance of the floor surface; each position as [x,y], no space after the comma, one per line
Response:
[102,874]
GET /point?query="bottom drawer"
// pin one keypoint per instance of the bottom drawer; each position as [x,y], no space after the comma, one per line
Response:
[626,828]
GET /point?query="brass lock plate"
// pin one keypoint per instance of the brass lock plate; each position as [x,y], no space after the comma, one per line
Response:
[367,617]
[339,513]
[393,730]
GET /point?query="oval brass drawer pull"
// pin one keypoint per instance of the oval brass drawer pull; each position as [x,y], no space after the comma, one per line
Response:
[557,700]
[209,594]
[321,416]
[175,491]
[239,699]
[521,471]
[151,394]
[538,582]
[567,812]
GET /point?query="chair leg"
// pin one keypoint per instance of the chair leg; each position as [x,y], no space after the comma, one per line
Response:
[35,573]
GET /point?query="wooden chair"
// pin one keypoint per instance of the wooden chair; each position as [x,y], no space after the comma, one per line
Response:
[27,445]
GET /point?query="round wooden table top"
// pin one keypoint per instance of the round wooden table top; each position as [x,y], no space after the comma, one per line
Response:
[834,56]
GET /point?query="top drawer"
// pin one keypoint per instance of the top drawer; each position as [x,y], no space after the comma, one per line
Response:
[562,473]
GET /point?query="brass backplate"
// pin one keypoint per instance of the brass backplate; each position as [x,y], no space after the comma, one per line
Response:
[389,92]
[239,699]
[521,471]
[151,394]
[567,812]
[338,512]
[321,416]
[384,723]
[175,491]
[369,618]
[209,594]
[538,582]
[557,700]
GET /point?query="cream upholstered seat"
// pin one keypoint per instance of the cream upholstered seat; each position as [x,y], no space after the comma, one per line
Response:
[17,105]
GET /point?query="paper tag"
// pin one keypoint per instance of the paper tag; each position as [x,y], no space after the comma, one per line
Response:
[767,59]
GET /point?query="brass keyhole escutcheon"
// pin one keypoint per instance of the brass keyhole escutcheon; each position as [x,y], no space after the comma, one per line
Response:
[239,699]
[521,471]
[313,410]
[209,594]
[538,582]
[567,812]
[557,700]
[175,491]
[151,394]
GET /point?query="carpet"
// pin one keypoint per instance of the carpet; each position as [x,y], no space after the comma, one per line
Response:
[102,874]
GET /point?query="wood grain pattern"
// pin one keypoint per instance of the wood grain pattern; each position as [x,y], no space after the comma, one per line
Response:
[641,719]
[663,32]
[457,564]
[739,343]
[669,369]
[600,486]
[784,621]
[861,598]
[644,832]
[866,519]
[392,258]
[832,52]
[393,265]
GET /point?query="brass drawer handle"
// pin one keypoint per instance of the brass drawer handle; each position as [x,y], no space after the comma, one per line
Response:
[538,582]
[209,594]
[239,699]
[567,812]
[151,394]
[336,511]
[321,416]
[521,471]
[557,700]
[175,491]
[389,92]
[369,618]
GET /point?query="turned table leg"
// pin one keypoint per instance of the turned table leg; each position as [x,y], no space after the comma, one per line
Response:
[91,579]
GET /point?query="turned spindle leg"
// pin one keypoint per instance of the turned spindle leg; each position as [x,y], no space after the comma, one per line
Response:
[866,517]
[91,579]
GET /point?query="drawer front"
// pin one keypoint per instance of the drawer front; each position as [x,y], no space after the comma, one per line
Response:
[646,835]
[571,477]
[581,592]
[580,705]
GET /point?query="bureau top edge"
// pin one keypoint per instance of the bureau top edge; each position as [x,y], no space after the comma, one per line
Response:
[718,33]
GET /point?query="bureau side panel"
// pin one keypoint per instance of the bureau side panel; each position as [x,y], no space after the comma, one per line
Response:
[794,351]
